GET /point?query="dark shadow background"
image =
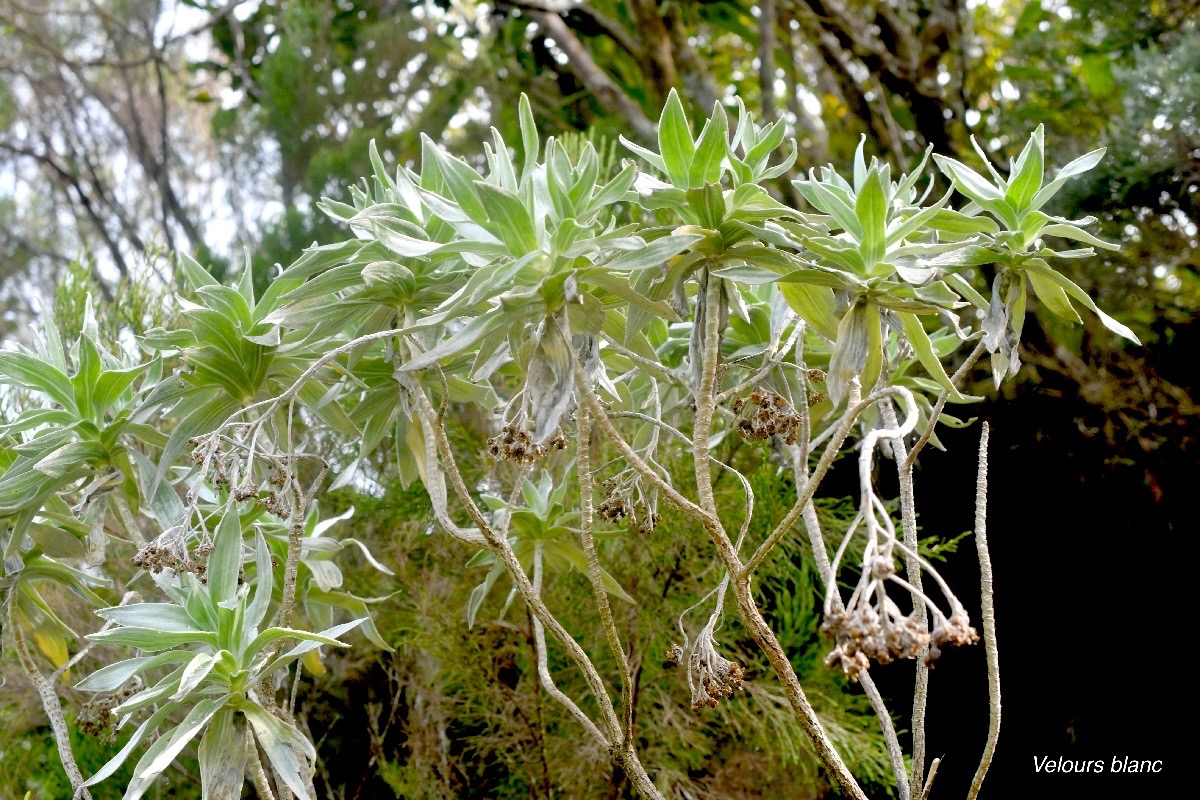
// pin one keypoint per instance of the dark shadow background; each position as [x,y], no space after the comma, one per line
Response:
[1093,562]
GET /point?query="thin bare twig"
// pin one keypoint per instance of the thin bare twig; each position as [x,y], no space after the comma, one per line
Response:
[543,666]
[912,567]
[988,615]
[933,768]
[583,463]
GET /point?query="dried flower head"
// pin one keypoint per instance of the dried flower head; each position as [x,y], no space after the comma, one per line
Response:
[96,717]
[624,498]
[711,676]
[515,444]
[873,628]
[766,414]
[954,630]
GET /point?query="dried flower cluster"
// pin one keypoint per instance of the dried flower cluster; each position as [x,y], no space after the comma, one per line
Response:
[156,557]
[872,627]
[953,631]
[766,414]
[711,676]
[276,504]
[516,445]
[817,395]
[96,717]
[863,634]
[623,499]
[226,474]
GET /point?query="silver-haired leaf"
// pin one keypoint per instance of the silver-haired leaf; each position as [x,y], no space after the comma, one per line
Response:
[223,755]
[281,742]
[551,380]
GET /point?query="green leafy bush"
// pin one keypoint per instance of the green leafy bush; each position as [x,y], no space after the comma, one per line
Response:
[620,337]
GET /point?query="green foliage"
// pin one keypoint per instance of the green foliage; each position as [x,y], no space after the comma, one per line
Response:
[512,289]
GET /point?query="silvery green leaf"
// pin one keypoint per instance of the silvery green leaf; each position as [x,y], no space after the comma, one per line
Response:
[614,190]
[196,671]
[325,573]
[904,188]
[914,271]
[166,617]
[463,338]
[164,750]
[151,640]
[964,256]
[733,301]
[500,162]
[995,322]
[529,138]
[223,755]
[550,381]
[1079,294]
[264,579]
[871,208]
[459,177]
[281,743]
[1053,297]
[154,694]
[987,163]
[272,635]
[822,198]
[675,141]
[1079,235]
[975,187]
[860,164]
[707,203]
[225,560]
[368,556]
[508,218]
[399,241]
[650,157]
[480,592]
[113,676]
[312,644]
[948,220]
[841,253]
[849,354]
[759,153]
[966,290]
[56,542]
[1077,167]
[620,286]
[915,333]
[748,275]
[917,221]
[318,527]
[269,339]
[710,151]
[815,305]
[654,253]
[1026,177]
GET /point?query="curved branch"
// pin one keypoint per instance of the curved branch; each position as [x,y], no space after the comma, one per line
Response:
[543,666]
[50,703]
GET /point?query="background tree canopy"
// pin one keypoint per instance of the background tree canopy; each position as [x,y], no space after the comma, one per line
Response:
[133,131]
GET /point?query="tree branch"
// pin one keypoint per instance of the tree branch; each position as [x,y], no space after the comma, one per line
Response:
[606,91]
